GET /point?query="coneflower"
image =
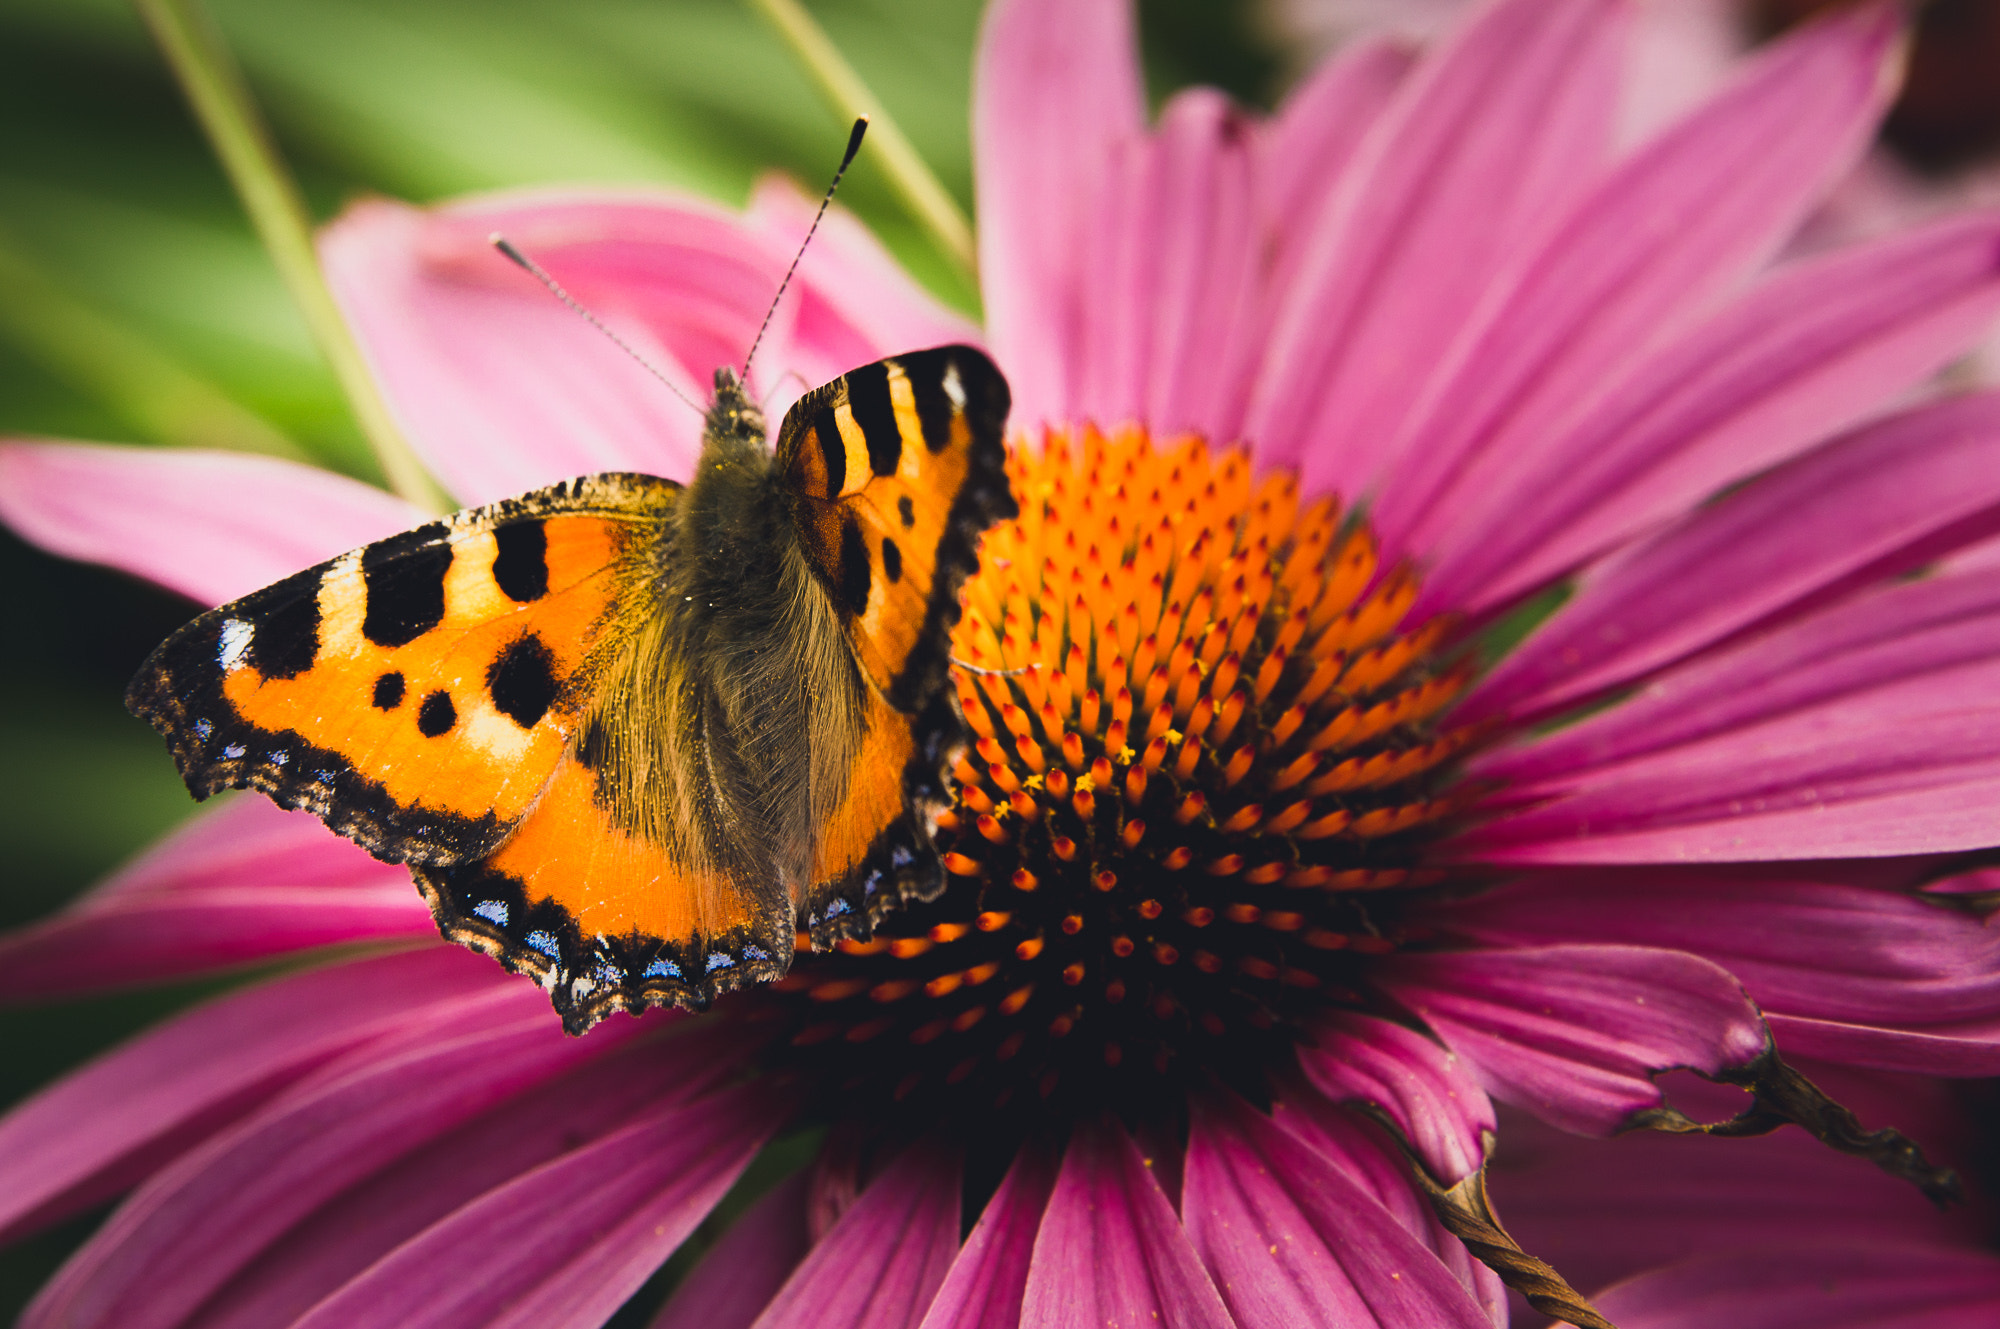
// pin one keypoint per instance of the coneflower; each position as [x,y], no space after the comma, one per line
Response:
[1475,631]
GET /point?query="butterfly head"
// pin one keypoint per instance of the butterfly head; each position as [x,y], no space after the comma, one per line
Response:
[735,422]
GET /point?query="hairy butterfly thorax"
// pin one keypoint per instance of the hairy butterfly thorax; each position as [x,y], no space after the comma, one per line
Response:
[631,735]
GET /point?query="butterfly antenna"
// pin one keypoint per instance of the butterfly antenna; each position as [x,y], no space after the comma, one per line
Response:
[535,270]
[847,159]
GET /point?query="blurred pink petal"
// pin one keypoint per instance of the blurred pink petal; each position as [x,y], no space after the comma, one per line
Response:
[1489,139]
[1289,1240]
[1575,1034]
[1603,1210]
[855,304]
[1804,352]
[133,1110]
[1823,1286]
[1655,242]
[1299,159]
[1800,528]
[363,1225]
[1844,973]
[989,1276]
[153,939]
[499,387]
[1169,276]
[746,1266]
[238,882]
[238,840]
[1055,89]
[211,525]
[1982,881]
[887,1256]
[1305,149]
[502,389]
[1111,1249]
[1420,1085]
[562,1246]
[184,1234]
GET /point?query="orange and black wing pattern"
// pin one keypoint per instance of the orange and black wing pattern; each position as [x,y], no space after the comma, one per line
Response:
[417,694]
[603,916]
[540,705]
[897,469]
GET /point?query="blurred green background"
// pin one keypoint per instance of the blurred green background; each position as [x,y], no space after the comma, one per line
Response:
[130,280]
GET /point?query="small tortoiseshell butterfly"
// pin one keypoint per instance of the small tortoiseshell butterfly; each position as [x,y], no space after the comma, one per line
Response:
[628,734]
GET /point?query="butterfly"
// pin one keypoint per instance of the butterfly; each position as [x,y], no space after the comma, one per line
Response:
[632,736]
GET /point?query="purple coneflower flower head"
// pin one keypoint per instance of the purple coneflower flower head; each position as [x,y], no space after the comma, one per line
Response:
[1281,855]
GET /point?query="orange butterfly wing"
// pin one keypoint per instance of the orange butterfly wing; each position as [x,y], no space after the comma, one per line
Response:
[601,916]
[442,697]
[606,918]
[899,467]
[417,693]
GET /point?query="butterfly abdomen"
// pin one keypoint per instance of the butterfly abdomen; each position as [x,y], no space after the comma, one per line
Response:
[726,734]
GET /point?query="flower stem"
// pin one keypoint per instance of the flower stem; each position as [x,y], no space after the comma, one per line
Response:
[222,103]
[921,191]
[145,386]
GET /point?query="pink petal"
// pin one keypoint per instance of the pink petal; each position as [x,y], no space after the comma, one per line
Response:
[1763,547]
[1874,977]
[856,302]
[1821,1287]
[353,1231]
[1489,139]
[567,1243]
[1300,159]
[240,840]
[1055,87]
[123,1116]
[1418,1084]
[1169,289]
[1303,152]
[1601,1210]
[194,1224]
[1111,1250]
[240,881]
[1981,881]
[885,1259]
[1366,1157]
[1907,767]
[1891,632]
[1681,53]
[990,1275]
[498,386]
[153,939]
[1290,1240]
[1574,1034]
[746,1266]
[1984,552]
[211,525]
[1949,1047]
[1813,347]
[1656,240]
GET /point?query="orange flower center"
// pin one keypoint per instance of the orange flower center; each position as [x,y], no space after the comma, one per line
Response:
[1206,756]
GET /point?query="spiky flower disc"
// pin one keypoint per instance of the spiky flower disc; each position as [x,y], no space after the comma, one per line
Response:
[1205,755]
